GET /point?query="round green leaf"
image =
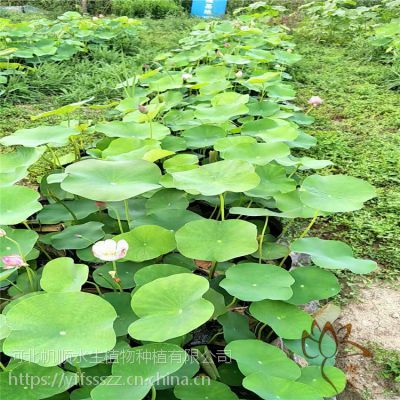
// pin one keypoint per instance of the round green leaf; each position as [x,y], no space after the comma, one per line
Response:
[273,181]
[14,165]
[167,200]
[155,271]
[17,203]
[125,316]
[204,388]
[78,236]
[312,283]
[147,242]
[120,129]
[32,137]
[37,382]
[126,272]
[55,213]
[188,370]
[202,136]
[333,254]
[111,180]
[217,240]
[313,377]
[137,370]
[26,238]
[271,130]
[174,315]
[218,177]
[4,329]
[272,388]
[63,275]
[335,193]
[49,328]
[254,355]
[254,282]
[287,320]
[235,326]
[256,153]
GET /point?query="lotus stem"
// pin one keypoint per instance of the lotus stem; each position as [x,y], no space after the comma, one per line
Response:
[29,272]
[153,393]
[304,233]
[213,268]
[310,225]
[232,303]
[222,206]
[262,240]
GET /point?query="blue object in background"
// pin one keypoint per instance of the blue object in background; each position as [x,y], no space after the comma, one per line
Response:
[208,8]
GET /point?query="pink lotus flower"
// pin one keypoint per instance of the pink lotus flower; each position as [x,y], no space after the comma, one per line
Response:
[100,204]
[239,74]
[2,233]
[110,250]
[315,101]
[13,261]
[186,76]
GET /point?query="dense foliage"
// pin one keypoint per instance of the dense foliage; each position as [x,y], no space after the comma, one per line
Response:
[159,250]
[27,44]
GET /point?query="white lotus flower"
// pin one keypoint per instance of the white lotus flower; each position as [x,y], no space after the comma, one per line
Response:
[110,250]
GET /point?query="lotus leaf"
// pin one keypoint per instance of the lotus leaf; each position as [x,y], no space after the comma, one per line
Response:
[121,129]
[287,320]
[271,388]
[218,177]
[312,283]
[93,179]
[138,369]
[333,254]
[254,282]
[63,275]
[155,271]
[147,242]
[217,240]
[335,193]
[17,203]
[55,136]
[47,328]
[200,388]
[173,315]
[40,378]
[254,356]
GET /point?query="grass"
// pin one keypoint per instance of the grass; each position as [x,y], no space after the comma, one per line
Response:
[358,129]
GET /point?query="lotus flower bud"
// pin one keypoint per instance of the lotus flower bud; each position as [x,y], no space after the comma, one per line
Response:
[315,101]
[186,76]
[13,261]
[110,250]
[239,74]
[226,44]
[100,204]
[2,233]
[143,109]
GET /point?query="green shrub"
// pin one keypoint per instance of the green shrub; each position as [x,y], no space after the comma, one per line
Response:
[145,8]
